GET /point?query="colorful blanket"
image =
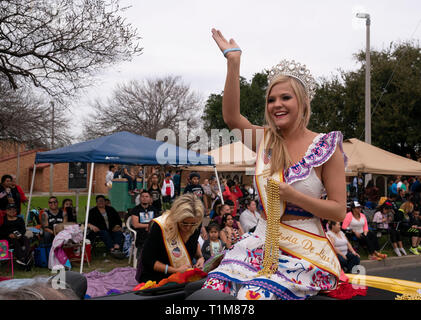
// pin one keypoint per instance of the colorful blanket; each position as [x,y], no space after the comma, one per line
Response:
[190,275]
[117,280]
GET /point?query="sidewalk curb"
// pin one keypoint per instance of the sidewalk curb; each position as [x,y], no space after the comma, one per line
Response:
[392,262]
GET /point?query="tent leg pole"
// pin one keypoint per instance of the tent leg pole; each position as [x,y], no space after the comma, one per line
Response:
[219,185]
[30,195]
[87,216]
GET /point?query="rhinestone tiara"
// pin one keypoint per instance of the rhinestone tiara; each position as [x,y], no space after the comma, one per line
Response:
[297,71]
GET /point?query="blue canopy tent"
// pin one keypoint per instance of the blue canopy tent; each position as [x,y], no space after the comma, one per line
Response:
[120,148]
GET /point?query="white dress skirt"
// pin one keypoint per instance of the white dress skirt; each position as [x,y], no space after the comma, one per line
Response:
[295,278]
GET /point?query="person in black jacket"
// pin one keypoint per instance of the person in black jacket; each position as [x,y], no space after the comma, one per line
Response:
[7,193]
[13,230]
[106,222]
[172,243]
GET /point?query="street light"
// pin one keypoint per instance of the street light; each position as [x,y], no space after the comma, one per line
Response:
[366,16]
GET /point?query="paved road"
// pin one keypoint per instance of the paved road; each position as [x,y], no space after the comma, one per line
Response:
[405,268]
[410,273]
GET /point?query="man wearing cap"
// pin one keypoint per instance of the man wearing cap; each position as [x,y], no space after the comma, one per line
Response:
[13,230]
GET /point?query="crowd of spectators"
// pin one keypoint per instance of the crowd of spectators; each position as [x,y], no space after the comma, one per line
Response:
[231,209]
[394,215]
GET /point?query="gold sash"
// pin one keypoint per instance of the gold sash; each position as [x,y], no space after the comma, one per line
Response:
[296,242]
[176,249]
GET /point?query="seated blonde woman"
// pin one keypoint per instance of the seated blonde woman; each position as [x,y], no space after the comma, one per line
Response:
[172,243]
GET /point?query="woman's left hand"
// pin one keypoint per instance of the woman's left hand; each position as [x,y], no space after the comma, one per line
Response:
[286,192]
[199,263]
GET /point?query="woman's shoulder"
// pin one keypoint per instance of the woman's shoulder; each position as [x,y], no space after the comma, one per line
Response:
[323,147]
[318,153]
[348,215]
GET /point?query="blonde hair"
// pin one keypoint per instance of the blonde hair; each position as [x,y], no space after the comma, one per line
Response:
[280,158]
[407,207]
[185,206]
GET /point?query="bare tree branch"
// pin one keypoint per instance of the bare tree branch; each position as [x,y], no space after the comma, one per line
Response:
[59,45]
[144,108]
[26,118]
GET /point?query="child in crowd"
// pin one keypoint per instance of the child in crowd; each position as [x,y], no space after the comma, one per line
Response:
[213,245]
[167,192]
[194,186]
[231,232]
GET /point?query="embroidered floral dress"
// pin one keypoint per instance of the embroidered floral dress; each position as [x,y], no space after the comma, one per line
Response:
[295,278]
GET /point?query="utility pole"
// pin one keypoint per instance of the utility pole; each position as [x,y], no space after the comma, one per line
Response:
[52,147]
[367,128]
[367,84]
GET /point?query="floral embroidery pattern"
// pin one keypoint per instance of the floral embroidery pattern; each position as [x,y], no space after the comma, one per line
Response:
[318,153]
[251,295]
[321,280]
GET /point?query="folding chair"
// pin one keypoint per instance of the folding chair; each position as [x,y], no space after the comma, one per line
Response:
[133,248]
[388,241]
[6,254]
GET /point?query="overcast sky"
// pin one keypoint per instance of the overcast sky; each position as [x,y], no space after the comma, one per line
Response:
[323,34]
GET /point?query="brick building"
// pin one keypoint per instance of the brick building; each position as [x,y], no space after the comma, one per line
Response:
[9,165]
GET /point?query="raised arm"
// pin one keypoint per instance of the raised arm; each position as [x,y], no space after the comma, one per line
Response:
[231,99]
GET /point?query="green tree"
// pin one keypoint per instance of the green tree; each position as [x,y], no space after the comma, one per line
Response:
[252,103]
[395,100]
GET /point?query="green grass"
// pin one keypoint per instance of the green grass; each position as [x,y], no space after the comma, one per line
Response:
[99,262]
[42,202]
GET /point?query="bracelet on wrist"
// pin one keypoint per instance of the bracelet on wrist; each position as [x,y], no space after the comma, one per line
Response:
[230,50]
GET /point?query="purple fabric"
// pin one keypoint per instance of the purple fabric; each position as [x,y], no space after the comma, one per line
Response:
[61,255]
[121,279]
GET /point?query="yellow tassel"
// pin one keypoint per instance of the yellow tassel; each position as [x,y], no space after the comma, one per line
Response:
[409,296]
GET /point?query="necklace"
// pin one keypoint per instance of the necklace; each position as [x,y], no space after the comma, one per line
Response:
[271,255]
